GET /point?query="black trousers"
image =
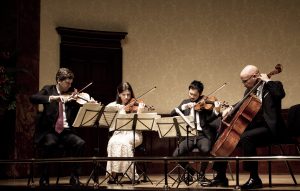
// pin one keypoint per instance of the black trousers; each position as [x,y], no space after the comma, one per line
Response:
[71,144]
[201,142]
[252,138]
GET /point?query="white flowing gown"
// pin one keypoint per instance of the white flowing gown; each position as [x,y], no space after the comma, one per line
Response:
[121,145]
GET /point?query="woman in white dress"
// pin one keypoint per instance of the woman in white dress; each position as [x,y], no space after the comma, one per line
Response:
[121,142]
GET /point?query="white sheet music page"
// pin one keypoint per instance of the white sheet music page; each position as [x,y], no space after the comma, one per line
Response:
[87,115]
[108,116]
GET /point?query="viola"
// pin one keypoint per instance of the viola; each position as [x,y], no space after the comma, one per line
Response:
[80,98]
[207,103]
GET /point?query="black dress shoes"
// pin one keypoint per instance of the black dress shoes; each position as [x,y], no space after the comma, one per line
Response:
[188,178]
[217,182]
[203,181]
[44,181]
[252,184]
[74,181]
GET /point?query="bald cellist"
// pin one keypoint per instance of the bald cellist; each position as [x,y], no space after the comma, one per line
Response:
[266,126]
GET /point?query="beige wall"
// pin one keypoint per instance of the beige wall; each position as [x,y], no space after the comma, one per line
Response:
[172,42]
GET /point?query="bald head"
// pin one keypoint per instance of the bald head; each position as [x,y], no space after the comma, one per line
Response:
[248,71]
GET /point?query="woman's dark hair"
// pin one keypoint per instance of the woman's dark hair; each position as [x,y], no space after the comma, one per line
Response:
[64,73]
[122,87]
[198,85]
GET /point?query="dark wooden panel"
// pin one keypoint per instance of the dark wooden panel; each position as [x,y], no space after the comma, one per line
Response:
[98,65]
[19,35]
[94,56]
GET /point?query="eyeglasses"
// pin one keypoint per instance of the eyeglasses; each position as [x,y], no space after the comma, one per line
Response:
[245,81]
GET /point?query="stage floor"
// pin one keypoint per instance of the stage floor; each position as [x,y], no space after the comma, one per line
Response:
[280,182]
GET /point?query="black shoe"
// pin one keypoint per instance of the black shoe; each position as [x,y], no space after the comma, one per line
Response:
[252,184]
[137,182]
[74,181]
[44,181]
[112,181]
[188,178]
[217,182]
[203,181]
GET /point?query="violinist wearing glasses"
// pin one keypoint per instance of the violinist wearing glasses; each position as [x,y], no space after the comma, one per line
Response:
[207,122]
[121,143]
[266,126]
[55,123]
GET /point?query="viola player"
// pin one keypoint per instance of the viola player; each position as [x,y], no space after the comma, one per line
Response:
[207,121]
[267,125]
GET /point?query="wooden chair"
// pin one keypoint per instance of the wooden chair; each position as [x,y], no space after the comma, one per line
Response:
[293,138]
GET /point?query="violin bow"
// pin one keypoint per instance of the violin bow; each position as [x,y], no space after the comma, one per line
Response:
[80,91]
[142,95]
[219,88]
[146,92]
[85,87]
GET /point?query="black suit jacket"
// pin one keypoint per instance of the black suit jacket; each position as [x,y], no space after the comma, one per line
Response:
[272,95]
[49,115]
[209,122]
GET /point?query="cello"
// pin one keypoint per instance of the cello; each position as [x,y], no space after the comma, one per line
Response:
[237,120]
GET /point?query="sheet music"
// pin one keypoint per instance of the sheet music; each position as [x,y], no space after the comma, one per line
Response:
[144,122]
[87,115]
[147,121]
[108,116]
[167,128]
[186,130]
[188,121]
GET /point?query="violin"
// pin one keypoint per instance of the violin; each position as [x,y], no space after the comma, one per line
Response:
[207,103]
[133,104]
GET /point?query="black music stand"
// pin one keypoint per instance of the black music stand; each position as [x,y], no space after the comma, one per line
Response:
[88,115]
[104,120]
[170,127]
[133,122]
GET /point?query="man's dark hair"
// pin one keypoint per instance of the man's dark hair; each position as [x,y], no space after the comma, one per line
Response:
[198,85]
[64,73]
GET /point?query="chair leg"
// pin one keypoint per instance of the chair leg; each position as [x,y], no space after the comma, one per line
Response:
[288,166]
[59,170]
[31,176]
[143,171]
[297,145]
[231,174]
[270,166]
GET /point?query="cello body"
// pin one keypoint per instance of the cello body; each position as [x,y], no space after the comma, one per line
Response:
[232,130]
